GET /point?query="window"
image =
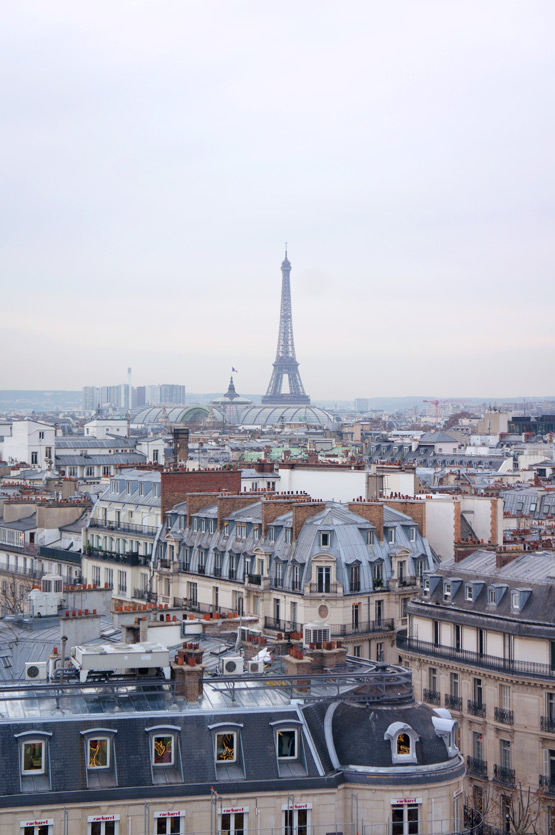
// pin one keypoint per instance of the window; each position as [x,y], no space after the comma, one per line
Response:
[169,823]
[491,596]
[89,471]
[287,744]
[35,827]
[412,534]
[505,696]
[478,745]
[354,577]
[192,592]
[162,750]
[404,819]
[34,458]
[478,692]
[33,757]
[296,821]
[296,577]
[369,537]
[323,575]
[447,591]
[103,825]
[390,535]
[379,651]
[505,753]
[432,679]
[457,636]
[401,571]
[122,582]
[226,747]
[468,593]
[105,471]
[271,534]
[357,650]
[325,537]
[109,576]
[233,821]
[437,632]
[377,573]
[41,436]
[288,536]
[98,752]
[454,685]
[256,533]
[403,745]
[515,603]
[481,641]
[48,453]
[96,574]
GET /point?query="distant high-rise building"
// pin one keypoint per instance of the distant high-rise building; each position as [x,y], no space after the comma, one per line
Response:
[172,394]
[362,404]
[140,395]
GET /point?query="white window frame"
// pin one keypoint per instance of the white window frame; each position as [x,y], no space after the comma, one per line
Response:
[412,534]
[295,809]
[103,819]
[468,594]
[159,735]
[99,738]
[294,756]
[405,807]
[325,539]
[37,823]
[390,536]
[33,772]
[232,811]
[515,600]
[170,815]
[235,742]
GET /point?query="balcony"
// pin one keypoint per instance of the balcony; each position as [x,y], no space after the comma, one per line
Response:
[217,570]
[253,579]
[547,783]
[140,530]
[453,702]
[129,558]
[340,630]
[278,625]
[477,708]
[276,582]
[60,554]
[433,697]
[323,588]
[523,669]
[504,775]
[143,594]
[503,715]
[547,723]
[477,767]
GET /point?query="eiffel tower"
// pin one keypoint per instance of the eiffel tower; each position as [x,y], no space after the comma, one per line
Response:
[286,361]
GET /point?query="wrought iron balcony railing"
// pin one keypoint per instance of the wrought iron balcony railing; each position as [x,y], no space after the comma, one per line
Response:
[453,702]
[504,775]
[477,767]
[503,715]
[477,708]
[433,697]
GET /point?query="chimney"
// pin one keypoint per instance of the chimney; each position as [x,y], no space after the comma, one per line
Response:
[197,501]
[302,512]
[181,444]
[228,504]
[271,509]
[372,511]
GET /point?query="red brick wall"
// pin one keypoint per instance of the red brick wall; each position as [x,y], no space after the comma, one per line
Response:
[177,483]
[373,511]
[302,512]
[416,510]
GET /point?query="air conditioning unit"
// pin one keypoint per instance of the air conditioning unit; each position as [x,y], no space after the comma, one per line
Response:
[316,633]
[35,670]
[256,667]
[233,666]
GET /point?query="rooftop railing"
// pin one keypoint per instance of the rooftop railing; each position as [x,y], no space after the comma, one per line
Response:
[141,530]
[339,630]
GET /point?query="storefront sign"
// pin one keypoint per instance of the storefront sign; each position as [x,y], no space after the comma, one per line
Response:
[235,810]
[43,822]
[95,818]
[178,814]
[404,801]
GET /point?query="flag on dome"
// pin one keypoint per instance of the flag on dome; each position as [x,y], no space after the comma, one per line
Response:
[234,370]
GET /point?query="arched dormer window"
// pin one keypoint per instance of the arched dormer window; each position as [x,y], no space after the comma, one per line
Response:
[403,741]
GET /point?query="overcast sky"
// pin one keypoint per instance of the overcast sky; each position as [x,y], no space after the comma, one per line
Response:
[156,156]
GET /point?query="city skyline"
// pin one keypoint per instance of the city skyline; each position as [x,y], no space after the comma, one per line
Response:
[405,153]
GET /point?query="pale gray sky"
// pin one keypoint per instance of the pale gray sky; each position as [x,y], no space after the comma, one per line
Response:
[156,155]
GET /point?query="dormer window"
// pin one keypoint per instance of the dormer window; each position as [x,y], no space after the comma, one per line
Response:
[325,538]
[162,750]
[412,534]
[287,744]
[403,741]
[468,593]
[271,534]
[98,752]
[288,536]
[390,535]
[33,756]
[515,600]
[403,745]
[447,591]
[369,537]
[226,747]
[491,596]
[426,587]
